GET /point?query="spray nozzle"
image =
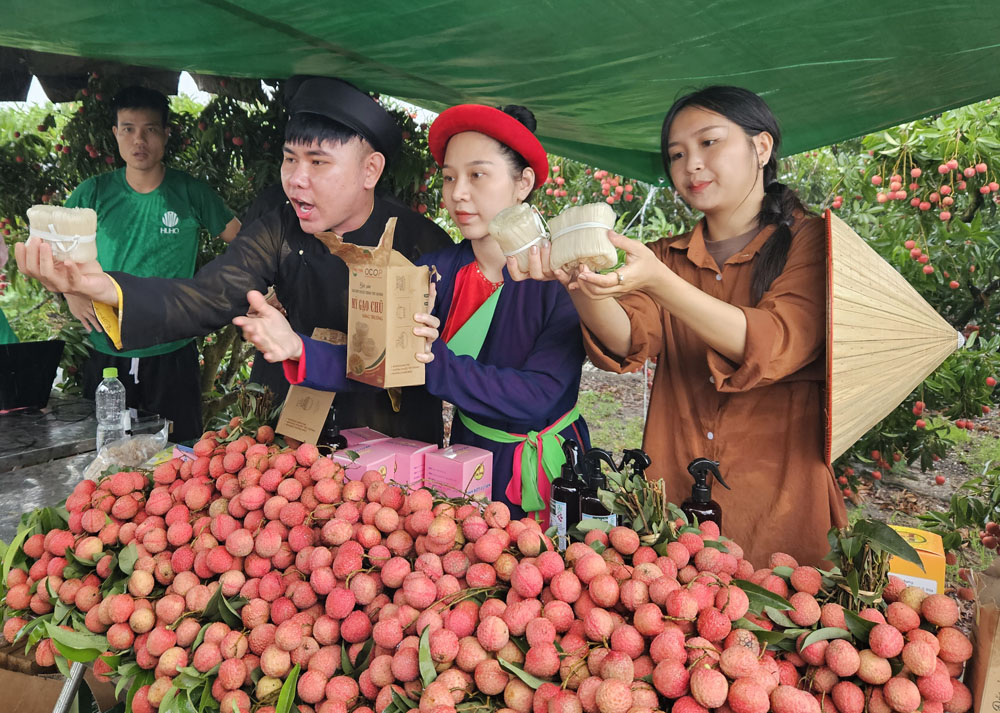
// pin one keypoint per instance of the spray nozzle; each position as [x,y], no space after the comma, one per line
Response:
[592,460]
[637,458]
[699,468]
[571,450]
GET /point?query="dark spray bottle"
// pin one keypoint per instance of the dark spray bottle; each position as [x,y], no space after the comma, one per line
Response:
[591,507]
[564,503]
[700,505]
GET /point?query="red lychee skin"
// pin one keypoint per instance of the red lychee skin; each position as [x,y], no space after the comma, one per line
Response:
[613,696]
[806,610]
[920,658]
[961,701]
[842,658]
[492,633]
[901,694]
[737,662]
[885,640]
[902,617]
[848,697]
[709,687]
[745,696]
[940,610]
[874,669]
[788,699]
[955,646]
[713,624]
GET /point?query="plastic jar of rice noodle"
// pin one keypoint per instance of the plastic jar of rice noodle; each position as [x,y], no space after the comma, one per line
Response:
[70,232]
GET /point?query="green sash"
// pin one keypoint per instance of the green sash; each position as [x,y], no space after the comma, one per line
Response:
[539,451]
[7,335]
[468,340]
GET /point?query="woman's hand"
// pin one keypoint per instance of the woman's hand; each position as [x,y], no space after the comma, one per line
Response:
[538,266]
[428,328]
[88,279]
[83,310]
[266,328]
[641,271]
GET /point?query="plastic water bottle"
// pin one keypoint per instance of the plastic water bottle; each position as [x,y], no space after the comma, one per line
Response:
[110,398]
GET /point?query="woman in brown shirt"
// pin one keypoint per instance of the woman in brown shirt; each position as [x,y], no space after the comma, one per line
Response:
[735,311]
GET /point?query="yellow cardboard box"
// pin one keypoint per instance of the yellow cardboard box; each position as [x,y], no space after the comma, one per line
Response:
[931,551]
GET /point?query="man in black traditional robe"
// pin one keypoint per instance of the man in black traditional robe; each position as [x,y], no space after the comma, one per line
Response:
[337,143]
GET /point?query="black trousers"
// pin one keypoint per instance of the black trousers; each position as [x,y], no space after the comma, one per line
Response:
[168,384]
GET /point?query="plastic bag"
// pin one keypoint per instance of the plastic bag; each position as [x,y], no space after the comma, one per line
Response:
[128,452]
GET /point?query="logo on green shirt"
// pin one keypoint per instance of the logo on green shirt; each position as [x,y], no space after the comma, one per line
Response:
[170,221]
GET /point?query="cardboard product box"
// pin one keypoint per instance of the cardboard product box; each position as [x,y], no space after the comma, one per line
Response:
[459,471]
[931,551]
[29,688]
[982,672]
[371,456]
[357,436]
[384,293]
[305,410]
[410,459]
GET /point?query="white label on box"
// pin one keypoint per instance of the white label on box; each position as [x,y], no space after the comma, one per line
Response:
[928,585]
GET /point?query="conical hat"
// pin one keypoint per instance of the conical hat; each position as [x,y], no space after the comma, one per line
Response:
[883,339]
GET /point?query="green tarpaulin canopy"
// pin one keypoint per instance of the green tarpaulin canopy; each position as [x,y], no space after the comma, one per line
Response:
[599,74]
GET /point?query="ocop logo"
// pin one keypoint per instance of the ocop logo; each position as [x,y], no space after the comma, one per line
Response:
[170,221]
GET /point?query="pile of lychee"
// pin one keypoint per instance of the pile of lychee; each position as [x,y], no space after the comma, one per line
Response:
[383,598]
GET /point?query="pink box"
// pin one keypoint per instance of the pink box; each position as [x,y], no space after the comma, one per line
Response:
[356,436]
[371,456]
[409,459]
[459,471]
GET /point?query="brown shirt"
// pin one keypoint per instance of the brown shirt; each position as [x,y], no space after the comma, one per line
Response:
[762,419]
[722,250]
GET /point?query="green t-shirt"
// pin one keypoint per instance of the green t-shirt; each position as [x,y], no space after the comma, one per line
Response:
[7,335]
[149,234]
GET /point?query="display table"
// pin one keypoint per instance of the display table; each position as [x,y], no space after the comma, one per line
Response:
[44,452]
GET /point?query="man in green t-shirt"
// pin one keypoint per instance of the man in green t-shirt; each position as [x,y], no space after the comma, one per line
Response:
[148,218]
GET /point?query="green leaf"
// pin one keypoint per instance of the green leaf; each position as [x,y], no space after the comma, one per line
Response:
[858,626]
[825,634]
[765,636]
[128,558]
[167,705]
[361,662]
[760,597]
[126,673]
[77,640]
[220,609]
[200,637]
[677,514]
[287,696]
[427,672]
[592,524]
[608,500]
[884,538]
[12,549]
[532,681]
[345,661]
[779,618]
[63,666]
[207,702]
[402,704]
[783,572]
[716,546]
[852,582]
[77,655]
